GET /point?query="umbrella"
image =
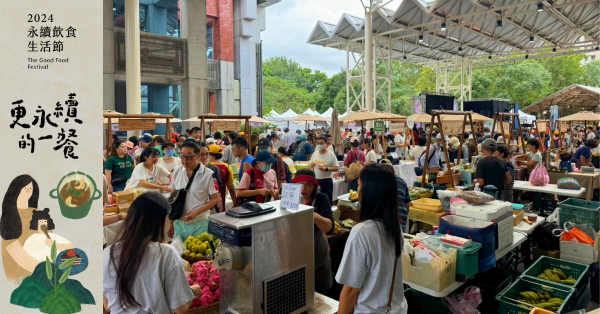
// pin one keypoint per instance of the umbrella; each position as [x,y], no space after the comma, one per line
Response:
[421,118]
[480,118]
[256,119]
[308,118]
[582,116]
[364,115]
[393,116]
[336,137]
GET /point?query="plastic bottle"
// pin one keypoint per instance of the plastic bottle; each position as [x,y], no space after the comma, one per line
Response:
[476,189]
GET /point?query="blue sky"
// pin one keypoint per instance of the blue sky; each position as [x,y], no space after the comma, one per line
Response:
[289,24]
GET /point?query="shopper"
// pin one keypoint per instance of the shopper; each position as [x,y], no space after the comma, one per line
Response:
[276,143]
[583,155]
[216,174]
[145,142]
[215,153]
[180,140]
[263,146]
[259,183]
[535,157]
[139,262]
[433,163]
[503,153]
[169,161]
[323,224]
[228,156]
[453,147]
[492,170]
[303,151]
[370,157]
[353,156]
[590,133]
[401,142]
[288,161]
[418,150]
[371,267]
[403,196]
[147,173]
[324,163]
[196,133]
[288,139]
[201,197]
[240,151]
[219,140]
[118,167]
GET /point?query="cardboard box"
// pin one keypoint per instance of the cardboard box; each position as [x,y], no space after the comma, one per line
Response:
[123,208]
[436,275]
[123,197]
[112,209]
[578,252]
[517,217]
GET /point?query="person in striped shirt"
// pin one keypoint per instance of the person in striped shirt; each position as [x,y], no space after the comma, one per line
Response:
[403,197]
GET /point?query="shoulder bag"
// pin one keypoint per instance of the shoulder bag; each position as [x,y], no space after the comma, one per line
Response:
[353,172]
[119,179]
[177,198]
[389,305]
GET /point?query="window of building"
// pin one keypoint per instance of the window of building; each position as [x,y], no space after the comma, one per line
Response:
[593,58]
[172,27]
[586,58]
[209,42]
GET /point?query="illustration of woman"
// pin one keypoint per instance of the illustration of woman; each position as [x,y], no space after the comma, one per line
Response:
[38,245]
[19,202]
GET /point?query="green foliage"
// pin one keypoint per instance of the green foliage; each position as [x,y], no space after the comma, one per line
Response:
[61,301]
[524,82]
[565,70]
[29,294]
[591,76]
[83,295]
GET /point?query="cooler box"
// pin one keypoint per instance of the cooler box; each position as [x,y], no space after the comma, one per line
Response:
[498,211]
[467,260]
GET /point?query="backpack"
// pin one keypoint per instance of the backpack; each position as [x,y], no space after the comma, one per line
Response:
[299,151]
[353,172]
[224,171]
[222,144]
[288,173]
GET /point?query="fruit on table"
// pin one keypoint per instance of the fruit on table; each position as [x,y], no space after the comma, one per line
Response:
[353,195]
[542,299]
[337,229]
[348,223]
[558,276]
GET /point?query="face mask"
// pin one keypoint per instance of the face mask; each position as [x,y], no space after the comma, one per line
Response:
[170,153]
[265,168]
[487,134]
[320,148]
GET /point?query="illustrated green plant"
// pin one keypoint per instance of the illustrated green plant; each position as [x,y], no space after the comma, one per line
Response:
[51,268]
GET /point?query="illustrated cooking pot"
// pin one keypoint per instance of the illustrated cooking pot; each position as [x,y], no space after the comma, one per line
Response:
[69,211]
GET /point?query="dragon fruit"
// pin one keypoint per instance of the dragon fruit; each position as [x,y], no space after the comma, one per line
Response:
[214,282]
[217,295]
[195,303]
[199,272]
[202,281]
[190,280]
[207,297]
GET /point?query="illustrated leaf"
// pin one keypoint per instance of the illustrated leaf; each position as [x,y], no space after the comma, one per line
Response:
[48,268]
[64,276]
[53,251]
[67,263]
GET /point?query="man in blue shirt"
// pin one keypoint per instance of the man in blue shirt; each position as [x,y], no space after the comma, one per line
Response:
[583,155]
[304,149]
[239,149]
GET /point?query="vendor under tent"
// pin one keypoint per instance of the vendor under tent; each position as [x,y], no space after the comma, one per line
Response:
[420,118]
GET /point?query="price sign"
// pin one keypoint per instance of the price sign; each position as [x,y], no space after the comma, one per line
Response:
[452,128]
[115,127]
[397,127]
[563,128]
[290,196]
[379,126]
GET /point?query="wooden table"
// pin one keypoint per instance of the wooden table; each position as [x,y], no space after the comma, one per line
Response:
[589,181]
[333,239]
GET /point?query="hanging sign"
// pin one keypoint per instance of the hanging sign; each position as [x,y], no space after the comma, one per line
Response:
[256,124]
[395,127]
[227,125]
[452,128]
[505,125]
[541,127]
[136,124]
[564,128]
[290,196]
[320,124]
[379,126]
[115,127]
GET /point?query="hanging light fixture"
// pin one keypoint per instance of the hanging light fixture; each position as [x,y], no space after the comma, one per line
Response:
[443,26]
[460,49]
[526,57]
[489,57]
[404,57]
[540,7]
[499,23]
[420,38]
[597,48]
[554,50]
[530,39]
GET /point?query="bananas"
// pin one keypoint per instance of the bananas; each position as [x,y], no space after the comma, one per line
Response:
[353,195]
[541,299]
[557,275]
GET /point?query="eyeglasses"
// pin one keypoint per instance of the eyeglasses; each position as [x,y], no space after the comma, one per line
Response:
[188,156]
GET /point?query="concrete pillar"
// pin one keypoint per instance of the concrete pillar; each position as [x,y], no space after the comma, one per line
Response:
[132,58]
[108,62]
[158,102]
[193,89]
[156,19]
[247,34]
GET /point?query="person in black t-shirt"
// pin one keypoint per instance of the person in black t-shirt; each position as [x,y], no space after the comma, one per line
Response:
[492,170]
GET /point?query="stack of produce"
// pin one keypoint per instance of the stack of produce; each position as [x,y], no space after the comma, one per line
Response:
[558,276]
[541,299]
[198,248]
[416,193]
[206,276]
[353,196]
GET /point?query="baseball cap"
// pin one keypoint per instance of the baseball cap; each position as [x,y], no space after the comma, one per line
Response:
[353,139]
[265,157]
[298,131]
[215,149]
[454,142]
[147,138]
[241,134]
[286,129]
[129,144]
[302,138]
[490,143]
[556,132]
[263,143]
[210,141]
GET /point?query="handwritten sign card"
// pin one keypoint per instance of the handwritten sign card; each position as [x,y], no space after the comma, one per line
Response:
[290,196]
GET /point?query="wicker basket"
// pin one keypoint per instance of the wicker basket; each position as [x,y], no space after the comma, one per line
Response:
[428,204]
[214,308]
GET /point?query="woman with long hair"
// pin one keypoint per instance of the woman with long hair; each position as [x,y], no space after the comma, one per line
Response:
[118,167]
[142,275]
[18,204]
[354,155]
[148,171]
[371,268]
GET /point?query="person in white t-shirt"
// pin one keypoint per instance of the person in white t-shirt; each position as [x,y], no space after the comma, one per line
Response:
[416,152]
[370,157]
[168,161]
[324,163]
[147,172]
[401,143]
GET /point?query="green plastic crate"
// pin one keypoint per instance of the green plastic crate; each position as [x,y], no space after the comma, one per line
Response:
[580,212]
[578,271]
[508,298]
[467,261]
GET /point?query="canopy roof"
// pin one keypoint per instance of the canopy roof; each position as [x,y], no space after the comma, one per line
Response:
[570,100]
[307,117]
[582,116]
[473,31]
[421,118]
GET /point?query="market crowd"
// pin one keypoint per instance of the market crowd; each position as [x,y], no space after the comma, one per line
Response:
[265,161]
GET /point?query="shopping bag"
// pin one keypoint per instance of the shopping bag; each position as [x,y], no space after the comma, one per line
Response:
[539,176]
[465,303]
[577,235]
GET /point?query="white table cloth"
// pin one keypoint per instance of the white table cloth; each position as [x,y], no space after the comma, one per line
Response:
[406,171]
[340,187]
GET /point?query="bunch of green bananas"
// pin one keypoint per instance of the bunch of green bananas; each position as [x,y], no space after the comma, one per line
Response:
[541,299]
[558,276]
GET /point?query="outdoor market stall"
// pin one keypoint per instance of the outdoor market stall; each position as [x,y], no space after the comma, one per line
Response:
[134,122]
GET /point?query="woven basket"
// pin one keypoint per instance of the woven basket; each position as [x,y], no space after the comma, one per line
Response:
[428,204]
[209,309]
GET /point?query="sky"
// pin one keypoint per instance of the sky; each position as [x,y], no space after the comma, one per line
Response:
[290,23]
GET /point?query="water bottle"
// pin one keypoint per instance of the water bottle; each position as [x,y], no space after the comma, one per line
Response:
[476,189]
